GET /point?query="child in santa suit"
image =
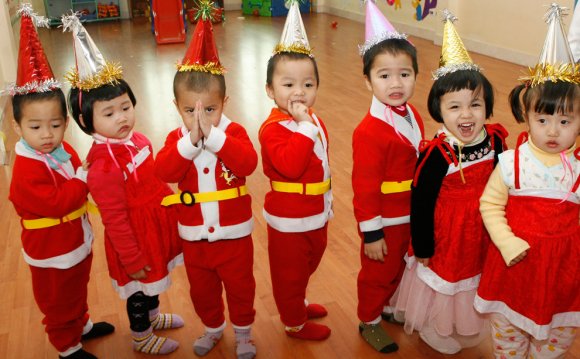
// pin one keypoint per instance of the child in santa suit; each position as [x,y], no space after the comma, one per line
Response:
[295,159]
[385,149]
[49,193]
[210,157]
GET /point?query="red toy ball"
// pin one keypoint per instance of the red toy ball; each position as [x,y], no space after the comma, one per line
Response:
[334,24]
[256,12]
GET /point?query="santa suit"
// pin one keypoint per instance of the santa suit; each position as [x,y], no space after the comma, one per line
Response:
[297,209]
[59,255]
[385,150]
[217,238]
[139,232]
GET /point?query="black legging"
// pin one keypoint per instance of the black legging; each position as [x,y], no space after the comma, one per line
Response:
[138,307]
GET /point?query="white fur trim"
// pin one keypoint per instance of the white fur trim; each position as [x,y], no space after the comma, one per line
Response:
[412,133]
[540,332]
[301,224]
[216,139]
[71,350]
[196,233]
[438,284]
[186,149]
[308,129]
[371,224]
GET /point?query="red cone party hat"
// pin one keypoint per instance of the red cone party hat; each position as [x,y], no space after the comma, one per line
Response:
[34,72]
[202,55]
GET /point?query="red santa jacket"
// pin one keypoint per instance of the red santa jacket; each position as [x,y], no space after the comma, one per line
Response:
[381,155]
[36,194]
[223,162]
[296,153]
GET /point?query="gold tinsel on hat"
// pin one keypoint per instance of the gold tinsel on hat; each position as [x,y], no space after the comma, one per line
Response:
[454,56]
[556,62]
[110,74]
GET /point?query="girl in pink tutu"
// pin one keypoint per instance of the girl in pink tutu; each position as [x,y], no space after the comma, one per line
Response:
[447,233]
[530,279]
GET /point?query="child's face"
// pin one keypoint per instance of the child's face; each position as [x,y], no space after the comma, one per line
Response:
[392,78]
[463,113]
[211,99]
[293,81]
[554,133]
[114,118]
[42,124]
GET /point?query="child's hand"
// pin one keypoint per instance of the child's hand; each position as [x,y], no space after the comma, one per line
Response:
[299,111]
[85,165]
[423,261]
[195,132]
[519,258]
[204,122]
[142,274]
[376,250]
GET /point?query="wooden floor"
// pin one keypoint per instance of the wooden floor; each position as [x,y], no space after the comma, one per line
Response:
[245,44]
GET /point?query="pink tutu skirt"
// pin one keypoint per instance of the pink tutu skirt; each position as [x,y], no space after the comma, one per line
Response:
[418,305]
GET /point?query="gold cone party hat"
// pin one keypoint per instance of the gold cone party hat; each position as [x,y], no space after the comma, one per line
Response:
[454,56]
[556,62]
[92,70]
[294,37]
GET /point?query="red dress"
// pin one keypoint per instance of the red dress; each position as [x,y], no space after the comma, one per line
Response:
[138,230]
[540,292]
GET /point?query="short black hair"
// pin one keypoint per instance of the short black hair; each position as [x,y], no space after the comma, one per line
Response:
[393,47]
[18,101]
[456,81]
[290,56]
[198,81]
[548,98]
[81,102]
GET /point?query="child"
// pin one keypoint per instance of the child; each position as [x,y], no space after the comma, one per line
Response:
[447,234]
[141,240]
[295,159]
[210,157]
[51,199]
[385,149]
[530,207]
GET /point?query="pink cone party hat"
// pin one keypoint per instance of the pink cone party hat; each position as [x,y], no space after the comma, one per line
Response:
[294,37]
[34,72]
[377,28]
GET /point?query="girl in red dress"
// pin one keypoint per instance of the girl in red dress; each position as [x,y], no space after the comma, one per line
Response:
[141,240]
[448,237]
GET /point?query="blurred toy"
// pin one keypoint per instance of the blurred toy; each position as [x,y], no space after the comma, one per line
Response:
[256,12]
[334,24]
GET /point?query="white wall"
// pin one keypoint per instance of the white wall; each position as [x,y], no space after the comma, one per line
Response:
[511,30]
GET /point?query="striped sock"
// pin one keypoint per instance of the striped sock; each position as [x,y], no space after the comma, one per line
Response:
[164,320]
[149,343]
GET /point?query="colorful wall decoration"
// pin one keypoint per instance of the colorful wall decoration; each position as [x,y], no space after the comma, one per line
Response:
[421,9]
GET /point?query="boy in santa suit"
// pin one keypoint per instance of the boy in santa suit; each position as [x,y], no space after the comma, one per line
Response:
[295,158]
[385,150]
[210,157]
[49,193]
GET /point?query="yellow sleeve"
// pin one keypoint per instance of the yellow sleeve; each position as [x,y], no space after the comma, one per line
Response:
[492,208]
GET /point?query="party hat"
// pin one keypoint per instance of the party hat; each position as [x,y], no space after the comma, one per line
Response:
[454,56]
[294,37]
[34,72]
[556,62]
[377,28]
[202,55]
[92,70]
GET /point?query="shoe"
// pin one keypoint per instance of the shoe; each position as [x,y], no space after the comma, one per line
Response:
[444,345]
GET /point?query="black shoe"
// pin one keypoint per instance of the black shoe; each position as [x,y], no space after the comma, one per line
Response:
[390,318]
[99,329]
[79,354]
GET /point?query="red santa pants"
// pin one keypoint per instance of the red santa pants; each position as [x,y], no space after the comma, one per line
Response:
[377,281]
[212,266]
[61,295]
[293,258]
